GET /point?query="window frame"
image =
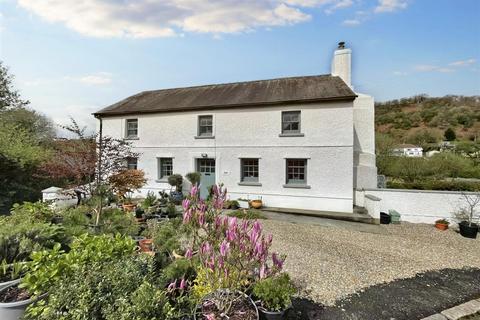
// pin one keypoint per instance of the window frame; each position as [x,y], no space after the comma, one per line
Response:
[249,179]
[290,131]
[296,182]
[200,126]
[160,164]
[127,129]
[128,164]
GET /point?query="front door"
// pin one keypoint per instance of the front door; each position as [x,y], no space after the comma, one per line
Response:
[206,167]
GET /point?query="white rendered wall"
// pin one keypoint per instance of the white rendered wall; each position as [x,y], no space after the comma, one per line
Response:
[254,132]
[365,170]
[417,206]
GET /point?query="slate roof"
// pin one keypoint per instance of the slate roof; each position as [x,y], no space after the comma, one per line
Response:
[239,94]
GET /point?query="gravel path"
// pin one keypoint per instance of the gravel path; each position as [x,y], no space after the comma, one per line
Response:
[331,263]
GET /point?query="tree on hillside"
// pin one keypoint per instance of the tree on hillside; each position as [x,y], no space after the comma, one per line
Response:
[450,134]
[9,97]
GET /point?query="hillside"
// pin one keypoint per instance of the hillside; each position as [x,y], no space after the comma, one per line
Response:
[422,119]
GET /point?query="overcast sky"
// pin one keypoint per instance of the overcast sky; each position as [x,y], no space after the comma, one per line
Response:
[73,57]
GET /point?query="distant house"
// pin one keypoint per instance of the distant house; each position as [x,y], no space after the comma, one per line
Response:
[408,150]
[302,142]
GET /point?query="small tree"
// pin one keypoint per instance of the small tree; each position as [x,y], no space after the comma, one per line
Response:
[469,211]
[193,177]
[126,182]
[450,134]
[176,180]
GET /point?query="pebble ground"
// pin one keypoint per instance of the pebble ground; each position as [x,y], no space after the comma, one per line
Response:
[330,263]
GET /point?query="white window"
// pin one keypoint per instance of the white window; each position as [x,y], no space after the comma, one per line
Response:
[165,167]
[205,126]
[131,128]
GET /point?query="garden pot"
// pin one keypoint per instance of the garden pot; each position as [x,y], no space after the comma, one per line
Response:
[198,316]
[271,315]
[441,226]
[57,220]
[176,196]
[15,310]
[146,245]
[128,207]
[468,231]
[8,284]
[256,204]
[137,239]
[385,218]
[244,204]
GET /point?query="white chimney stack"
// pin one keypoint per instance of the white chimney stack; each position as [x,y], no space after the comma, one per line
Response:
[342,64]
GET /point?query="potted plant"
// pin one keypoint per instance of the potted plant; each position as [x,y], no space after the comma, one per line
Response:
[468,215]
[10,273]
[274,295]
[125,183]
[176,181]
[243,203]
[441,224]
[225,303]
[194,178]
[14,301]
[256,204]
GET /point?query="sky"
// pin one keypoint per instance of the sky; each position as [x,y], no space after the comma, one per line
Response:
[74,57]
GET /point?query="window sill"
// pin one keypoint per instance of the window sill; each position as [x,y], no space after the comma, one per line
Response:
[131,138]
[291,135]
[162,180]
[297,186]
[204,137]
[250,184]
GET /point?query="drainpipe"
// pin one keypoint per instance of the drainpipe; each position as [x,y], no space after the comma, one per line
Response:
[99,167]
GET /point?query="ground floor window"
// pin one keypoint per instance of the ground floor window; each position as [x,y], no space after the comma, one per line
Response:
[132,163]
[296,172]
[249,170]
[165,167]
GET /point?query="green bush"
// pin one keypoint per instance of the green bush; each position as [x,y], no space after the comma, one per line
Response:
[32,211]
[449,185]
[275,293]
[18,239]
[176,180]
[149,201]
[194,177]
[249,214]
[113,221]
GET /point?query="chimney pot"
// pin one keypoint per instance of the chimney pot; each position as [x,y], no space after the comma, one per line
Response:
[341,45]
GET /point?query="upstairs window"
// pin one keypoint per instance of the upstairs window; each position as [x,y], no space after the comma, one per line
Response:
[290,122]
[132,163]
[132,128]
[249,170]
[296,172]
[165,167]
[205,126]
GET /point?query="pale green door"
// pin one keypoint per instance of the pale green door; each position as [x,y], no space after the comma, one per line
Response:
[206,167]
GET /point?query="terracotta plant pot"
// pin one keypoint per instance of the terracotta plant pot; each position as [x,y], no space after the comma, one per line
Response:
[146,245]
[441,226]
[256,204]
[128,207]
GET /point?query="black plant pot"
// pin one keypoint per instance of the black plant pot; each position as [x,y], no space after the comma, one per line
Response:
[385,218]
[468,231]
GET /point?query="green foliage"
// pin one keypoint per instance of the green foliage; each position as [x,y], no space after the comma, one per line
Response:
[48,266]
[11,271]
[249,214]
[149,201]
[231,204]
[116,221]
[178,269]
[450,134]
[32,211]
[176,180]
[9,97]
[193,177]
[431,184]
[167,237]
[275,292]
[19,238]
[171,210]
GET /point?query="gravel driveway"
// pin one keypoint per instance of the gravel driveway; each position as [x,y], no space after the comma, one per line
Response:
[330,263]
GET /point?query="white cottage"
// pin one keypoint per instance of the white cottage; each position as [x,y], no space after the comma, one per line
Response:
[300,142]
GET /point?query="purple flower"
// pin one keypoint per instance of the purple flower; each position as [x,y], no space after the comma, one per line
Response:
[185,204]
[224,248]
[205,248]
[194,191]
[262,271]
[183,284]
[187,215]
[172,286]
[201,218]
[232,222]
[277,261]
[188,253]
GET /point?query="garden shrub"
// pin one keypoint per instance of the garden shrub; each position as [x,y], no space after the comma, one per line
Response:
[250,214]
[18,239]
[275,292]
[113,221]
[32,211]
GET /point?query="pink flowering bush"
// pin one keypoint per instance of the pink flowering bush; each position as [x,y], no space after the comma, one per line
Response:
[233,254]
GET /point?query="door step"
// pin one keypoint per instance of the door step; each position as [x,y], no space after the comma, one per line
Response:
[343,216]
